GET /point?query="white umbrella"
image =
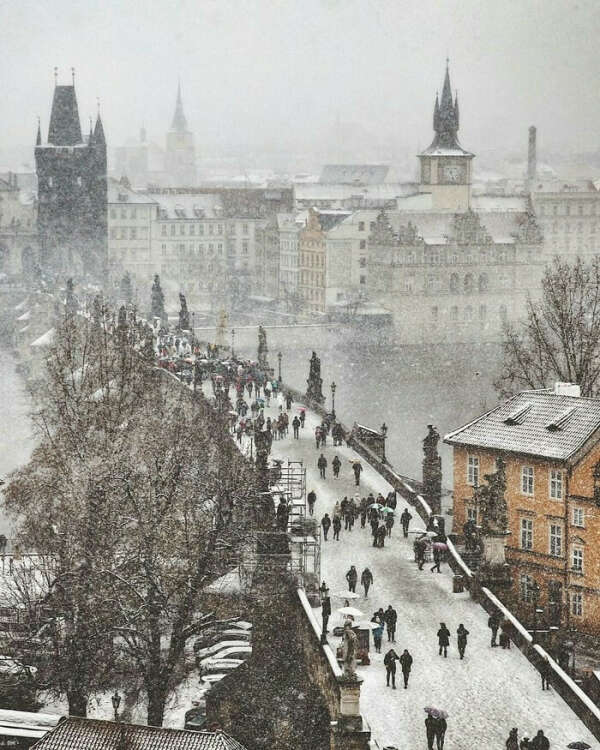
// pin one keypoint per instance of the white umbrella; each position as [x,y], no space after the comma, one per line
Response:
[417,531]
[347,595]
[367,625]
[351,611]
[387,510]
[377,506]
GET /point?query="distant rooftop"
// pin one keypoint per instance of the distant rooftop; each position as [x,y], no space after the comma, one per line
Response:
[536,423]
[354,174]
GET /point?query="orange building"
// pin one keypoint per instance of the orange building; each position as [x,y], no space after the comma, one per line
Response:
[550,441]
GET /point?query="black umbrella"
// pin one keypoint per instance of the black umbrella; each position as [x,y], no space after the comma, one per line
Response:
[579,746]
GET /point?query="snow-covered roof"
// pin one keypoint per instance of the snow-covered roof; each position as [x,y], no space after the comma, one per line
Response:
[361,174]
[536,423]
[46,339]
[119,193]
[26,723]
[189,206]
[25,316]
[437,151]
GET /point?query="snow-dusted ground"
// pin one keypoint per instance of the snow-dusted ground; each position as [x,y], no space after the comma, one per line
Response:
[486,694]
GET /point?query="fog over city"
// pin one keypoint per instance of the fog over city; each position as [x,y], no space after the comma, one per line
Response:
[277,76]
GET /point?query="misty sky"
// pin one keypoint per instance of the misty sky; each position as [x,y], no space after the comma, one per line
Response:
[275,74]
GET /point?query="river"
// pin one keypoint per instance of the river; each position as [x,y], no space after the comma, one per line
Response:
[405,387]
[16,442]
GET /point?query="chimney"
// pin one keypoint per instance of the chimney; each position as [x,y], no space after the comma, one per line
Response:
[567,389]
[532,154]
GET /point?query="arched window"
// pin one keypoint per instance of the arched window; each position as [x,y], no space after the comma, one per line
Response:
[483,282]
[468,283]
[454,283]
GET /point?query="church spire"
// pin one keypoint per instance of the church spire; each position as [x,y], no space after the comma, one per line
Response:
[99,138]
[445,117]
[38,140]
[179,123]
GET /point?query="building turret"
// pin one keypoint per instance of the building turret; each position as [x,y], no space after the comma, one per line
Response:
[180,157]
[445,165]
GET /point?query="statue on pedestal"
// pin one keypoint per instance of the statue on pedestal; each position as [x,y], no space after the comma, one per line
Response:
[315,381]
[184,315]
[262,349]
[432,470]
[263,439]
[490,500]
[350,649]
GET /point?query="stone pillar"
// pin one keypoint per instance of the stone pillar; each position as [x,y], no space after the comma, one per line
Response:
[494,548]
[350,731]
[314,390]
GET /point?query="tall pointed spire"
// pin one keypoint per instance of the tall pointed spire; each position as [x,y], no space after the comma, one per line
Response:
[445,117]
[99,138]
[179,123]
[38,140]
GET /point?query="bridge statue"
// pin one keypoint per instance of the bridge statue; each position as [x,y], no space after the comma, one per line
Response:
[184,315]
[432,470]
[350,649]
[263,350]
[315,381]
[491,502]
[263,439]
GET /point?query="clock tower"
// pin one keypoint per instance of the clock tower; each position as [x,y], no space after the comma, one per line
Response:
[445,165]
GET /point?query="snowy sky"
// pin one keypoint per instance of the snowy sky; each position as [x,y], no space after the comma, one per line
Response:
[272,73]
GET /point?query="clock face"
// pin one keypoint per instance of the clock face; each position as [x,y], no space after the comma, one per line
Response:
[453,173]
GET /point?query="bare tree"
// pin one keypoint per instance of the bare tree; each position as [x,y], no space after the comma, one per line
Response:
[560,337]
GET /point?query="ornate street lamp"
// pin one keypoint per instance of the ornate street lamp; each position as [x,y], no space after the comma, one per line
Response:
[116,701]
[279,358]
[333,387]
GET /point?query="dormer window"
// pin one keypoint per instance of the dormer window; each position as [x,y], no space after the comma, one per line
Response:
[518,415]
[561,420]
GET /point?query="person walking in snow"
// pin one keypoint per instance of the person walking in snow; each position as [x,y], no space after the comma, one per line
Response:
[493,625]
[430,731]
[437,559]
[322,464]
[545,672]
[366,581]
[406,661]
[296,427]
[540,741]
[389,523]
[335,465]
[311,499]
[405,519]
[377,637]
[443,635]
[390,667]
[352,578]
[381,535]
[461,639]
[325,524]
[391,617]
[357,469]
[374,529]
[440,732]
[512,743]
[318,436]
[302,417]
[337,526]
[288,402]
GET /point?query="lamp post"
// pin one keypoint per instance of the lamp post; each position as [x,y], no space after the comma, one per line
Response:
[333,387]
[116,701]
[232,342]
[535,590]
[279,358]
[193,327]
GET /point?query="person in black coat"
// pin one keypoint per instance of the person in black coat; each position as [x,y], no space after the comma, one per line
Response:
[381,535]
[545,672]
[390,667]
[391,617]
[443,635]
[337,526]
[461,639]
[296,427]
[366,580]
[493,625]
[437,559]
[540,742]
[430,731]
[322,465]
[336,464]
[440,732]
[311,499]
[374,528]
[326,524]
[357,468]
[406,661]
[352,578]
[282,514]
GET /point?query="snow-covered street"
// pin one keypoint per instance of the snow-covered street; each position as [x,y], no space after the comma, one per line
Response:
[486,694]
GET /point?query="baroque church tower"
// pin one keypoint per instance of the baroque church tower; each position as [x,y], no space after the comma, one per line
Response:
[180,157]
[72,191]
[445,165]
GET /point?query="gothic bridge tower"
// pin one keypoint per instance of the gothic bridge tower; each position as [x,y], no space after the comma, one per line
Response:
[72,190]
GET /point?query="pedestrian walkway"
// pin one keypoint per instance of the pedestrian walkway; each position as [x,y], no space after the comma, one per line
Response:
[487,693]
